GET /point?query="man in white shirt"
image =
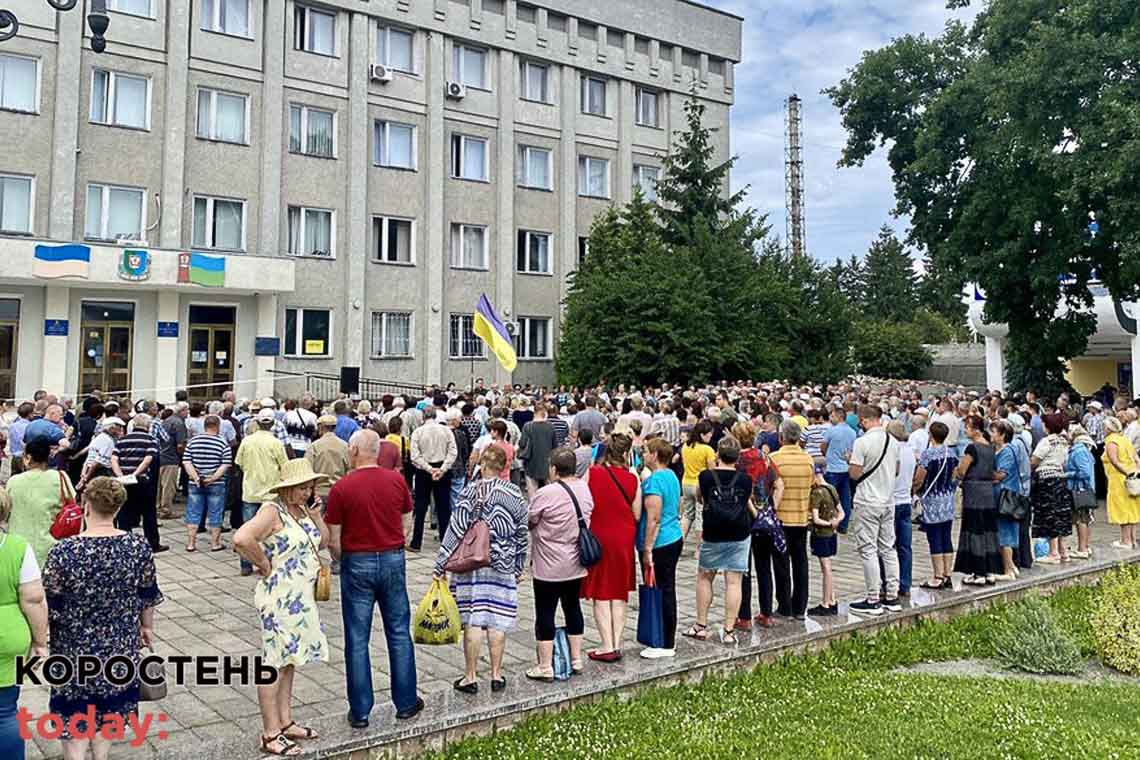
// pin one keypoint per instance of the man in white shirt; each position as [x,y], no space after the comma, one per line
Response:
[873,468]
[903,500]
[950,420]
[919,439]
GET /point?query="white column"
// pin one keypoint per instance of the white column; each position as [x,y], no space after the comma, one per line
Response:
[995,364]
[434,220]
[1135,390]
[357,212]
[266,327]
[504,265]
[166,349]
[57,305]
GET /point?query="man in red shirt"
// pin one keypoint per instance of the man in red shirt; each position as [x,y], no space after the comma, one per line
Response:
[369,518]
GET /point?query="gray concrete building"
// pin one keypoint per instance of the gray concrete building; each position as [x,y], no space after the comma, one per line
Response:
[239,186]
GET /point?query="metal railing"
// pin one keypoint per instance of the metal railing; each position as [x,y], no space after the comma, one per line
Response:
[326,386]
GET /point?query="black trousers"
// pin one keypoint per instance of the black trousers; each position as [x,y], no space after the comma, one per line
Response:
[763,557]
[1099,476]
[141,507]
[791,571]
[547,596]
[425,490]
[665,575]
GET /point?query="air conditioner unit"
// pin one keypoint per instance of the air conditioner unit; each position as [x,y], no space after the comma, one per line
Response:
[456,90]
[512,328]
[378,72]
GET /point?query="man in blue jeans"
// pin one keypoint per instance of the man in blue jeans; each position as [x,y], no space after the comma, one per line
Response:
[369,518]
[836,447]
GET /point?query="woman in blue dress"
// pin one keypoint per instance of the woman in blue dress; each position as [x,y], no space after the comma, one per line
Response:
[101,593]
[934,484]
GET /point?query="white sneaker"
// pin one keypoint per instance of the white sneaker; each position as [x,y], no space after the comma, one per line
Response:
[1125,547]
[655,653]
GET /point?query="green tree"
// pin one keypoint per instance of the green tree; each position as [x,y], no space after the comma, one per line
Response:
[848,278]
[1002,138]
[890,290]
[888,350]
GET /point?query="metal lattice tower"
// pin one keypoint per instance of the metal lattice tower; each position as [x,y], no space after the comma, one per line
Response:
[794,178]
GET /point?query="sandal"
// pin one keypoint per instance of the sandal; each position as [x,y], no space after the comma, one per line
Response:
[947,583]
[538,673]
[280,745]
[218,548]
[466,688]
[310,734]
[191,548]
[934,584]
[698,631]
[576,667]
[728,637]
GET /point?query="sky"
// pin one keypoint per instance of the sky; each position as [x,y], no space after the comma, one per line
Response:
[803,46]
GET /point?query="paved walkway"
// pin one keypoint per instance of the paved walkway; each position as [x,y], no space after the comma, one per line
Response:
[209,611]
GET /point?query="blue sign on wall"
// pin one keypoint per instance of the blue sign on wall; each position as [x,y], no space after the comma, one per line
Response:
[55,327]
[168,329]
[266,346]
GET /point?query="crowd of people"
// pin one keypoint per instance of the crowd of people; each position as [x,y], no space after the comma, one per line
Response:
[751,478]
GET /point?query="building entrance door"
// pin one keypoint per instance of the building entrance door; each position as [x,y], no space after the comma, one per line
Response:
[105,361]
[9,331]
[210,369]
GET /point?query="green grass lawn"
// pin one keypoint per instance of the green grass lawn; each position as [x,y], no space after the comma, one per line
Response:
[847,703]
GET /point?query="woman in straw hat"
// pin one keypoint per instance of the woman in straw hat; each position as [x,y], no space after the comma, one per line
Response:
[282,542]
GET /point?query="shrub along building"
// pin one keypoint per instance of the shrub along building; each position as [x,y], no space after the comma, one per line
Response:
[238,187]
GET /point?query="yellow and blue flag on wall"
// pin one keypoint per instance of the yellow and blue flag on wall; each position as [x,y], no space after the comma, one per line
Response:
[494,333]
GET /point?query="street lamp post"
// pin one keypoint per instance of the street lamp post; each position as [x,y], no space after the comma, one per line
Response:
[97,21]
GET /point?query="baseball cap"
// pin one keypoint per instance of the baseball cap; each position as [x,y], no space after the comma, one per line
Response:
[266,415]
[326,419]
[268,402]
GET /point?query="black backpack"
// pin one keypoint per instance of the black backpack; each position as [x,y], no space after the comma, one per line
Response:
[724,509]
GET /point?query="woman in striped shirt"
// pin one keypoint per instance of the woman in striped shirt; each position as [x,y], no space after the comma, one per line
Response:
[206,461]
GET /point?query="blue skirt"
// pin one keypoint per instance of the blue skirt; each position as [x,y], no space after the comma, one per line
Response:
[729,556]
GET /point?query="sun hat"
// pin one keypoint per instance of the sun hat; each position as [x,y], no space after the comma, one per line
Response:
[268,402]
[112,422]
[297,472]
[327,419]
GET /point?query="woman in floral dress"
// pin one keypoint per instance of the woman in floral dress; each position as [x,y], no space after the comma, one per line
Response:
[282,542]
[101,593]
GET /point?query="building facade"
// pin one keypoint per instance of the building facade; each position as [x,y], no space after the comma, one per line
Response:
[238,186]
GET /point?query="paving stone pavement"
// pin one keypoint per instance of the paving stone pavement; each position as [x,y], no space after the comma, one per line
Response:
[208,610]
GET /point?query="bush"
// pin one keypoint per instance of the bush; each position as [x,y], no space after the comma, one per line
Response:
[886,349]
[1031,640]
[1116,620]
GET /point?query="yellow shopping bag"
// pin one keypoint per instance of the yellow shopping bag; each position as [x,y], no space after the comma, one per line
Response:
[437,616]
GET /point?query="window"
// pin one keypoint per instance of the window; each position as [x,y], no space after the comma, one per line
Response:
[221,116]
[647,108]
[533,338]
[394,48]
[535,79]
[535,167]
[218,223]
[133,7]
[469,66]
[468,246]
[19,83]
[534,252]
[593,177]
[463,343]
[115,213]
[394,145]
[468,157]
[120,99]
[225,16]
[308,332]
[15,203]
[392,240]
[594,96]
[583,250]
[645,177]
[311,232]
[391,333]
[314,31]
[312,131]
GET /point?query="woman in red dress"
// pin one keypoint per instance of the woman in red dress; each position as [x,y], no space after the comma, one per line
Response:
[617,499]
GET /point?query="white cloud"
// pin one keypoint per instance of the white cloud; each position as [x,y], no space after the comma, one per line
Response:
[803,46]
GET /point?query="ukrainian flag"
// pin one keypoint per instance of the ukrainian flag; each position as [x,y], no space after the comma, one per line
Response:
[494,333]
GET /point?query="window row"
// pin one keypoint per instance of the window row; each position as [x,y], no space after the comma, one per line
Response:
[309,331]
[123,99]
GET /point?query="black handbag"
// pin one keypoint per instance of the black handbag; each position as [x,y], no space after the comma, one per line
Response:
[1013,506]
[589,550]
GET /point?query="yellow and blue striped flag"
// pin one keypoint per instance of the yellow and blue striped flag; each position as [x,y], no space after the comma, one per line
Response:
[494,333]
